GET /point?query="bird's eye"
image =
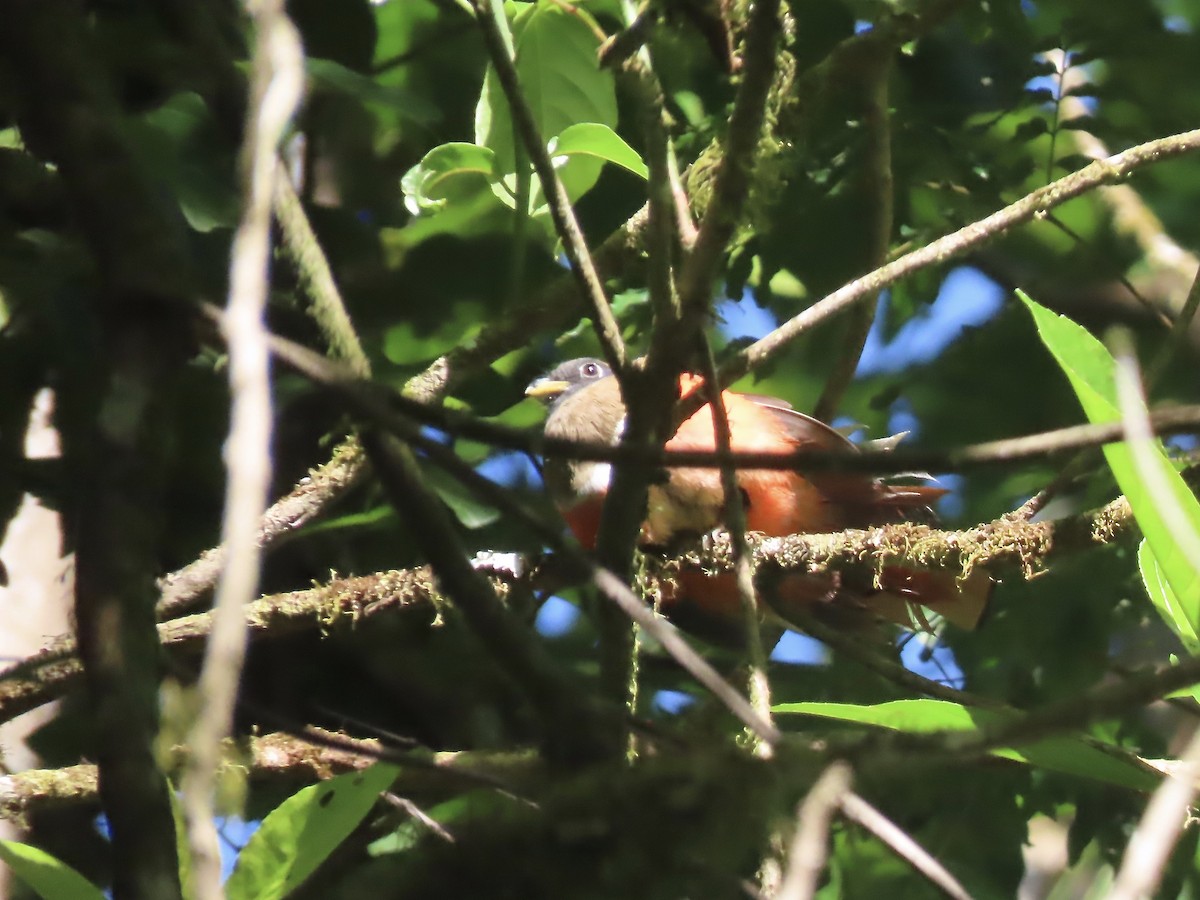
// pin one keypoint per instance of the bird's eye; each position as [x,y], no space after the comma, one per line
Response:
[589,370]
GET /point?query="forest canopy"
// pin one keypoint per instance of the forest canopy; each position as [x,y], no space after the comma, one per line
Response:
[290,275]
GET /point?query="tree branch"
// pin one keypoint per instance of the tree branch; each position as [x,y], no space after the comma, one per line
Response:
[184,588]
[1005,546]
[1105,171]
[315,755]
[276,87]
[1166,816]
[810,845]
[902,844]
[743,560]
[376,402]
[573,728]
[731,185]
[55,670]
[113,401]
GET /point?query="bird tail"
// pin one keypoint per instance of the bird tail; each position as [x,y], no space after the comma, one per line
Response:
[960,601]
[900,596]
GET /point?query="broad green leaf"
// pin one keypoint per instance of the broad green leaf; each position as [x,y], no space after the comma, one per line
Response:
[600,141]
[464,504]
[579,153]
[1164,598]
[559,73]
[478,214]
[1091,370]
[47,876]
[399,26]
[1069,755]
[405,343]
[333,76]
[178,145]
[302,831]
[450,173]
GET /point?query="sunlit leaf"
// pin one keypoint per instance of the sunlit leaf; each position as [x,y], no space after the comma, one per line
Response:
[1091,370]
[46,875]
[302,831]
[563,83]
[448,173]
[1163,598]
[1069,755]
[600,141]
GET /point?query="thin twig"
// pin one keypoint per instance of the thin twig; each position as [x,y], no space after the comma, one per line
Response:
[1107,701]
[184,588]
[668,636]
[743,557]
[1139,438]
[810,846]
[1179,334]
[1158,315]
[611,587]
[731,185]
[1162,823]
[663,237]
[1131,215]
[954,245]
[276,88]
[326,306]
[853,649]
[494,26]
[902,844]
[411,809]
[574,728]
[322,371]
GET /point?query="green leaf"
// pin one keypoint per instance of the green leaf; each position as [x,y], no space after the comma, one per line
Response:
[1164,598]
[302,831]
[600,141]
[469,510]
[47,876]
[370,517]
[579,153]
[559,73]
[1070,755]
[450,173]
[333,76]
[406,344]
[1091,370]
[178,144]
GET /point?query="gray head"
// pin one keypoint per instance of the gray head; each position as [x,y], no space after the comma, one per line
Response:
[566,378]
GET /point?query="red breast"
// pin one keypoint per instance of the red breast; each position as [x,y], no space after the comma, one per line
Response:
[586,406]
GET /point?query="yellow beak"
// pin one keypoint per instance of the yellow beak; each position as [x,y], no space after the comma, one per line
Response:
[546,388]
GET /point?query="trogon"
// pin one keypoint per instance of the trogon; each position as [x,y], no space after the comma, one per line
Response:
[585,405]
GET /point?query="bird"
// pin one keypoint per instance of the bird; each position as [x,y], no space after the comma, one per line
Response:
[585,405]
